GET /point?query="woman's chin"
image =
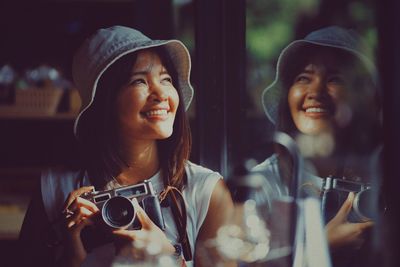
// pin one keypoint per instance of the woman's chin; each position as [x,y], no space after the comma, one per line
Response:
[164,134]
[317,129]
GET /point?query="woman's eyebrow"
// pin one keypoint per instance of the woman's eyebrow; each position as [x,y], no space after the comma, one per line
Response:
[334,71]
[164,71]
[144,72]
[307,71]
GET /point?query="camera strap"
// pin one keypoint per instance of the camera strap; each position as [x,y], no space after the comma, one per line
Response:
[178,208]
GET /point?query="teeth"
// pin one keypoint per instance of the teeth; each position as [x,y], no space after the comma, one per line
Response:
[156,112]
[309,110]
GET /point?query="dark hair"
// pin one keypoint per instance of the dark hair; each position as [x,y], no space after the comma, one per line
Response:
[98,136]
[370,126]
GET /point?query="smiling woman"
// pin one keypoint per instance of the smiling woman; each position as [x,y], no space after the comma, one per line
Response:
[148,103]
[325,95]
[327,87]
[322,96]
[136,141]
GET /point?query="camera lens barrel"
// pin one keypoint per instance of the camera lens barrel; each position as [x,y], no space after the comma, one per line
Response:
[118,212]
[362,205]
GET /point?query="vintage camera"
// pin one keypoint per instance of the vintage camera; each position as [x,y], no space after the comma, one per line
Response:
[118,212]
[335,191]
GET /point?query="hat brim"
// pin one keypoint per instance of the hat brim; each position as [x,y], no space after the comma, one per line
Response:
[180,59]
[272,94]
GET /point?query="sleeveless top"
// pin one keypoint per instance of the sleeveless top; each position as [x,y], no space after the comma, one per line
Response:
[56,185]
[275,186]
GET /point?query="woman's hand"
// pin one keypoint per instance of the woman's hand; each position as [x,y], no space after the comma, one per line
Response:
[79,213]
[150,236]
[341,233]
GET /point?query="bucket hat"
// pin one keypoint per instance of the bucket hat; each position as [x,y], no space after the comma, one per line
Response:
[334,37]
[106,46]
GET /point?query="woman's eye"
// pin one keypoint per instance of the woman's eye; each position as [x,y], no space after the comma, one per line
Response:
[336,79]
[137,81]
[302,79]
[167,79]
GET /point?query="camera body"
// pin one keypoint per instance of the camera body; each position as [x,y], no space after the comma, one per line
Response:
[118,212]
[335,192]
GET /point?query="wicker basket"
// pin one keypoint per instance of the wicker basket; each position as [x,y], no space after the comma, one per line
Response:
[34,102]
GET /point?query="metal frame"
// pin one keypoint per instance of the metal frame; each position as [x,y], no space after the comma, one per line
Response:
[389,67]
[220,81]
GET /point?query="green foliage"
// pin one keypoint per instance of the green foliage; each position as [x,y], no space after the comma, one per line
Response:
[272,24]
[264,43]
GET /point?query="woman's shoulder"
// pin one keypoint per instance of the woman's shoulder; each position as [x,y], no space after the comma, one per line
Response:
[199,171]
[201,183]
[61,178]
[270,164]
[56,184]
[60,173]
[199,176]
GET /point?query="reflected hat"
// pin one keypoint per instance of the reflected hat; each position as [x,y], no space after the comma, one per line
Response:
[106,46]
[334,37]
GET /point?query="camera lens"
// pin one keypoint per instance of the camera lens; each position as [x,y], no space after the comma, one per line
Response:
[118,212]
[363,205]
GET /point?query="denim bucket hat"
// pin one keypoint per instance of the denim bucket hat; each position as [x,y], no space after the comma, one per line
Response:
[106,46]
[334,37]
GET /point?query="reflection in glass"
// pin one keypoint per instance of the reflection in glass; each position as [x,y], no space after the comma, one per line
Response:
[326,97]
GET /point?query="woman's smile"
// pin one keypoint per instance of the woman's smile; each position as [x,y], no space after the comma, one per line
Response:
[315,95]
[156,114]
[148,103]
[318,111]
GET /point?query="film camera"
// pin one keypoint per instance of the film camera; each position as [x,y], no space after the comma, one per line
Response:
[118,212]
[335,191]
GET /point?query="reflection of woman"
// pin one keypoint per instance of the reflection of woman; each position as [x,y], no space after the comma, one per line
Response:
[325,94]
[132,127]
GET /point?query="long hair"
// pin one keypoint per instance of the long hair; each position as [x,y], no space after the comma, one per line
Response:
[98,136]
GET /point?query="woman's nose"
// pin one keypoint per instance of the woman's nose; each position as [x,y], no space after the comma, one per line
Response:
[157,92]
[317,89]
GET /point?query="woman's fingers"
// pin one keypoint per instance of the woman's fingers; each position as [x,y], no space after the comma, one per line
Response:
[83,223]
[81,202]
[125,233]
[144,219]
[142,239]
[74,194]
[345,209]
[343,234]
[364,225]
[80,214]
[131,235]
[77,209]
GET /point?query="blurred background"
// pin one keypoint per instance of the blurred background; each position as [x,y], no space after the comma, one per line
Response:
[234,46]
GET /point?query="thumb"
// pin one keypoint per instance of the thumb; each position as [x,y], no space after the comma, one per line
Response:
[144,219]
[345,208]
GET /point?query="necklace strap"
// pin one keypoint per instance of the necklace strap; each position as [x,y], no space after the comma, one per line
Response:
[178,207]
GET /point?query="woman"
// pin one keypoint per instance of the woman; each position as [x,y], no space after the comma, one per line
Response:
[325,97]
[132,127]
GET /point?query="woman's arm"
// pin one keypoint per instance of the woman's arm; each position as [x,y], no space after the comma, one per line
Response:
[219,212]
[79,213]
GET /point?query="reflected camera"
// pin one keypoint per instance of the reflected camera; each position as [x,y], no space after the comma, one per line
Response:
[335,191]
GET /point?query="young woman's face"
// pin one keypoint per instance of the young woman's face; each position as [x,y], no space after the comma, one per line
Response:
[147,104]
[319,96]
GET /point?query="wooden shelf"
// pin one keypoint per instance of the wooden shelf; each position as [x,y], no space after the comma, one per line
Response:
[37,116]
